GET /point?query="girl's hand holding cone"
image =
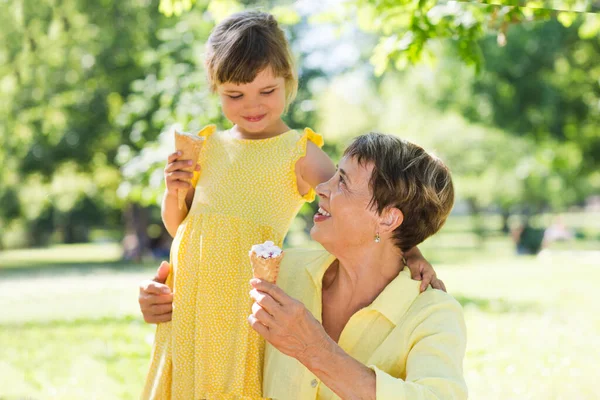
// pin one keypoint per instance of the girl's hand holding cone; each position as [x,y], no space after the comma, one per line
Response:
[178,174]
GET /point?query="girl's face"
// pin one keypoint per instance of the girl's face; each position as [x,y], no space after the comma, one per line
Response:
[255,107]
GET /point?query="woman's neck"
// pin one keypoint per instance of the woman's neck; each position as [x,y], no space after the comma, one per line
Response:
[345,280]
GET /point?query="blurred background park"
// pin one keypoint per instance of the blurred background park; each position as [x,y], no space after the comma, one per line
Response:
[508,96]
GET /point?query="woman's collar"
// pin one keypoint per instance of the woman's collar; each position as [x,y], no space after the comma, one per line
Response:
[316,270]
[392,302]
[396,297]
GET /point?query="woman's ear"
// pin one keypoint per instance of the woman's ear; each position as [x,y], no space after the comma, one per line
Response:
[390,219]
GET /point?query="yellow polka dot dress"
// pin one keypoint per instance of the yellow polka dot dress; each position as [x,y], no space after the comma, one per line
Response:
[245,194]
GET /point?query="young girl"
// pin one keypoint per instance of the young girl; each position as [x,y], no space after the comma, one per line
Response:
[254,179]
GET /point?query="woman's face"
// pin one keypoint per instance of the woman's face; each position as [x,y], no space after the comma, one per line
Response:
[344,217]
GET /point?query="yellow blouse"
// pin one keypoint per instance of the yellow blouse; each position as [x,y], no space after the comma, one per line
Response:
[414,342]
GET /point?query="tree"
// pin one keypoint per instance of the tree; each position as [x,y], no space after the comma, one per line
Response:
[542,86]
[65,68]
[406,28]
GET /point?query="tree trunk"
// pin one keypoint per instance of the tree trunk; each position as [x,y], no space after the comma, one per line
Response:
[75,233]
[136,242]
[478,222]
[505,218]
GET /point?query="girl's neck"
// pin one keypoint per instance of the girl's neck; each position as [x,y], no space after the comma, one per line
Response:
[275,129]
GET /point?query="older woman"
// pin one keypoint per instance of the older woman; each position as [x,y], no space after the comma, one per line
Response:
[347,321]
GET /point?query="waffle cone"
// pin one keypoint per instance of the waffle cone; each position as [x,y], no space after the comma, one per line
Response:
[265,268]
[190,147]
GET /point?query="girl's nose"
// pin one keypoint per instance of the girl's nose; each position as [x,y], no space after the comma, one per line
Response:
[252,103]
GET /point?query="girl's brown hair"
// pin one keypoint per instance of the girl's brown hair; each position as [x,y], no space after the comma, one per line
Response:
[243,45]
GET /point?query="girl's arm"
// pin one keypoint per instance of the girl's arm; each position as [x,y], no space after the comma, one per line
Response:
[422,270]
[314,168]
[170,212]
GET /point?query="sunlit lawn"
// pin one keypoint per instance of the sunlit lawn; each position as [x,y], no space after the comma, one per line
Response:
[81,359]
[73,332]
[69,327]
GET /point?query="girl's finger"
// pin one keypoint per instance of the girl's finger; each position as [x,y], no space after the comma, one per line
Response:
[428,278]
[180,175]
[415,274]
[178,165]
[178,185]
[173,157]
[443,286]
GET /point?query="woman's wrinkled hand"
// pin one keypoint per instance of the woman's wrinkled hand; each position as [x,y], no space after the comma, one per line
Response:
[285,322]
[156,298]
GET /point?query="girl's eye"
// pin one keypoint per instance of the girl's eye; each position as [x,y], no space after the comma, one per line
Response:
[269,92]
[235,97]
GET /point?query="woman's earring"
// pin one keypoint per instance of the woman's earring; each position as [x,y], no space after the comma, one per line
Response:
[377,238]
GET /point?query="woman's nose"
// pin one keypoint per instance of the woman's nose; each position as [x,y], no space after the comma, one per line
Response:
[321,189]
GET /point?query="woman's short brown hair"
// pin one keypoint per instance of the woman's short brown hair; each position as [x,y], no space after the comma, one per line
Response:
[243,45]
[406,177]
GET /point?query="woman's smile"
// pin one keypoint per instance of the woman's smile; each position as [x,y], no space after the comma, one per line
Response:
[321,215]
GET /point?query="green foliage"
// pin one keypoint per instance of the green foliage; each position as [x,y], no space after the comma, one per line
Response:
[540,89]
[64,70]
[173,90]
[408,29]
[89,90]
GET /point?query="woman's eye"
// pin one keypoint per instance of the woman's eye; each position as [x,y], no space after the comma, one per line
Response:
[269,92]
[235,97]
[341,182]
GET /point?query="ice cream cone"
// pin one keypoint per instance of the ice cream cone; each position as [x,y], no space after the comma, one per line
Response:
[265,268]
[265,260]
[190,146]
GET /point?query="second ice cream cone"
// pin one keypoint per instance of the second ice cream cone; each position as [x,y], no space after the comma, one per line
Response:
[265,268]
[190,146]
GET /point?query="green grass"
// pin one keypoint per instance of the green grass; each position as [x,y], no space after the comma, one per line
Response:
[70,328]
[532,327]
[79,359]
[61,255]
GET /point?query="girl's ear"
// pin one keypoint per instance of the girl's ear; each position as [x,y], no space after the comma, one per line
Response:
[390,219]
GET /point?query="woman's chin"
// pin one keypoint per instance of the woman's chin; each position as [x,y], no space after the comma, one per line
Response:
[318,235]
[314,233]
